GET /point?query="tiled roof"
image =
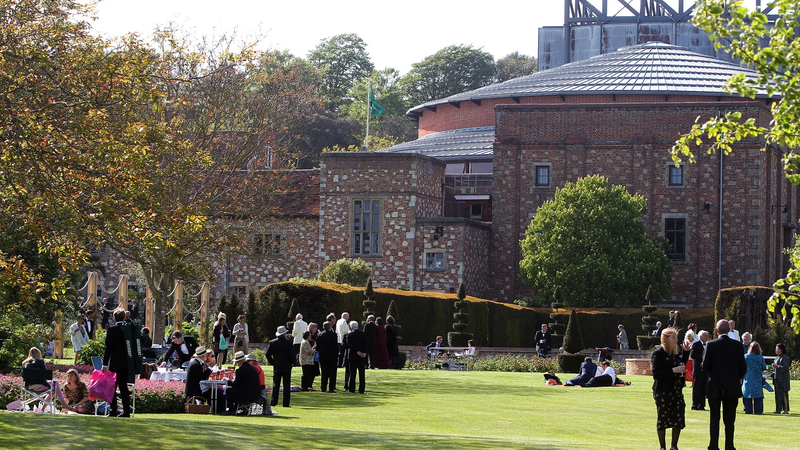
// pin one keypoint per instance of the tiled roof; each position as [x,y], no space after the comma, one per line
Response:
[465,143]
[652,68]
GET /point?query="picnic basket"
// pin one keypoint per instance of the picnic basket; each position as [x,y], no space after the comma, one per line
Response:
[197,405]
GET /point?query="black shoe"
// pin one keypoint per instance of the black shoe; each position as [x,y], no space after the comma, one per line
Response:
[124,415]
[331,391]
[286,406]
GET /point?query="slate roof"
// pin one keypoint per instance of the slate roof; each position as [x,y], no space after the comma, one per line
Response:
[652,68]
[465,143]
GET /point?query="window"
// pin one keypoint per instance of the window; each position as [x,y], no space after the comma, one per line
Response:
[675,176]
[240,289]
[475,211]
[366,227]
[434,261]
[675,233]
[480,167]
[542,176]
[268,244]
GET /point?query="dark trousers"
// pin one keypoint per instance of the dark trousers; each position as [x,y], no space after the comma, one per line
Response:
[296,353]
[309,373]
[277,378]
[371,355]
[753,405]
[699,389]
[729,405]
[124,392]
[342,359]
[328,369]
[358,365]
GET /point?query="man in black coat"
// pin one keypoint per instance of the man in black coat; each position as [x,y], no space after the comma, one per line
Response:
[356,345]
[198,371]
[724,364]
[371,330]
[700,377]
[281,357]
[115,359]
[183,346]
[91,325]
[133,308]
[328,348]
[543,341]
[245,387]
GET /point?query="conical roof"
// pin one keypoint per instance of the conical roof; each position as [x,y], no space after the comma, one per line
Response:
[652,68]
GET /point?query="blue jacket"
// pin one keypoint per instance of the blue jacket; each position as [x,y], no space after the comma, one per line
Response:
[752,387]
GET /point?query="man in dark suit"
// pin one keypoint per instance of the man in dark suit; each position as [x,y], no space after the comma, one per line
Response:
[115,359]
[432,354]
[588,370]
[91,325]
[724,364]
[245,387]
[543,341]
[371,331]
[356,344]
[134,310]
[328,348]
[197,371]
[671,320]
[700,377]
[183,346]
[281,357]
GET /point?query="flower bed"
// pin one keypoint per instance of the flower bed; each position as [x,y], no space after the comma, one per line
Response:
[497,363]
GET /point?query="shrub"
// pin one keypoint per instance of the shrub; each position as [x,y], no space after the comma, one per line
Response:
[95,347]
[496,363]
[261,358]
[353,272]
[19,340]
[573,341]
[188,329]
[460,337]
[794,370]
[160,396]
[569,363]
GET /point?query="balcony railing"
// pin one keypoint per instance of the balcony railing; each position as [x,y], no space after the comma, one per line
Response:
[466,183]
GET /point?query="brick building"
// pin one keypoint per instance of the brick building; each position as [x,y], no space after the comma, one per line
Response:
[453,205]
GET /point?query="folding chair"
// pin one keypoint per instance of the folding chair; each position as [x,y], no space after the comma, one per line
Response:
[44,398]
[103,407]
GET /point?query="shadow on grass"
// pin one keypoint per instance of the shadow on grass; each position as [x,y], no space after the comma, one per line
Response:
[36,431]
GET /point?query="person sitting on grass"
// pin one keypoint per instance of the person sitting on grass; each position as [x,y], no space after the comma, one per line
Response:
[588,369]
[606,376]
[75,398]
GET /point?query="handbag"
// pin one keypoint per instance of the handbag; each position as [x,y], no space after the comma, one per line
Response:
[223,344]
[316,356]
[197,405]
[102,385]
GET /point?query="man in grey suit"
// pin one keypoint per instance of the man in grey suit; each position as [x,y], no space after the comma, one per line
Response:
[724,364]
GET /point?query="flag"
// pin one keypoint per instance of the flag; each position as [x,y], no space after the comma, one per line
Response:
[375,108]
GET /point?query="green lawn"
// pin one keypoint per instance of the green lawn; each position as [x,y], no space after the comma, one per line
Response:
[413,409]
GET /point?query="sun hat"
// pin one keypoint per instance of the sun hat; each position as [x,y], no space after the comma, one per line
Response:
[239,356]
[281,331]
[250,357]
[202,350]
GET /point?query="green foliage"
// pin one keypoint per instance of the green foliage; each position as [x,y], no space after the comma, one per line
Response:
[590,241]
[294,308]
[744,32]
[460,337]
[573,340]
[352,272]
[187,329]
[368,303]
[261,358]
[95,347]
[451,70]
[569,363]
[515,65]
[495,363]
[19,338]
[343,60]
[222,305]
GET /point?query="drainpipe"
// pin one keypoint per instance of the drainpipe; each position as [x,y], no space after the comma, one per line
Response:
[719,252]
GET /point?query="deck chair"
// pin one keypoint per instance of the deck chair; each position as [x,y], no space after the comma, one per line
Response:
[43,399]
[104,408]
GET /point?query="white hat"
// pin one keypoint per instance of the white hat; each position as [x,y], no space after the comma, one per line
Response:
[281,331]
[239,356]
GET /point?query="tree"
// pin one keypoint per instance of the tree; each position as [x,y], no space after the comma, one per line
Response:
[343,60]
[320,130]
[353,272]
[451,70]
[514,65]
[368,302]
[743,32]
[590,242]
[573,340]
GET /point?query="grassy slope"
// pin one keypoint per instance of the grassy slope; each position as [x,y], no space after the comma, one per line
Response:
[412,409]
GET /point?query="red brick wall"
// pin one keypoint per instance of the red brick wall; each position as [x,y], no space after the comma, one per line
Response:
[628,143]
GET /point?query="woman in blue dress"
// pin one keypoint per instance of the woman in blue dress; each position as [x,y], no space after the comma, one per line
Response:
[752,389]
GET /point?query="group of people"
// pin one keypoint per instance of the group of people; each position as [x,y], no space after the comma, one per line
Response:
[724,370]
[74,395]
[221,337]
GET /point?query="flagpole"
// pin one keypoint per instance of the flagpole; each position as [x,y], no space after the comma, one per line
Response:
[369,113]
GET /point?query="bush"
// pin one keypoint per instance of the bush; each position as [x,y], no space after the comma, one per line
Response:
[353,272]
[95,347]
[569,363]
[261,358]
[160,397]
[188,329]
[496,363]
[573,341]
[19,340]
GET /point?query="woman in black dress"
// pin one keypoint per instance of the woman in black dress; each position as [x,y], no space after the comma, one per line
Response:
[391,342]
[668,369]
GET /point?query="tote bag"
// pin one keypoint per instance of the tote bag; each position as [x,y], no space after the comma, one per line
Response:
[103,385]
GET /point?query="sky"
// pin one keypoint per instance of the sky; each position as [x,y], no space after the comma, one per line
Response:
[397,34]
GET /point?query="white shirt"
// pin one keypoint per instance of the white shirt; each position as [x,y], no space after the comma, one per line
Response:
[610,371]
[342,328]
[734,334]
[299,327]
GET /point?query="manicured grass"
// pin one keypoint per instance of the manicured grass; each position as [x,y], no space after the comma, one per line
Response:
[414,409]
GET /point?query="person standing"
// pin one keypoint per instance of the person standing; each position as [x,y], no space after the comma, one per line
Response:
[306,357]
[733,333]
[328,349]
[220,337]
[91,325]
[342,328]
[543,341]
[371,330]
[391,342]
[241,335]
[671,320]
[724,364]
[781,379]
[106,316]
[133,308]
[622,338]
[356,345]
[380,352]
[279,355]
[115,359]
[79,335]
[298,328]
[752,388]
[700,377]
[668,364]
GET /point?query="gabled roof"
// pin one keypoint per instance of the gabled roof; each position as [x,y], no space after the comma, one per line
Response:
[652,68]
[464,143]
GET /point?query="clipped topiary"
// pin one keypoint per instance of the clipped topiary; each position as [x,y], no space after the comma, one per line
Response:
[573,340]
[392,311]
[559,324]
[645,341]
[460,337]
[368,302]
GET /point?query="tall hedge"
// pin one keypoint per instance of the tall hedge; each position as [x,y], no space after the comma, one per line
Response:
[426,315]
[752,306]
